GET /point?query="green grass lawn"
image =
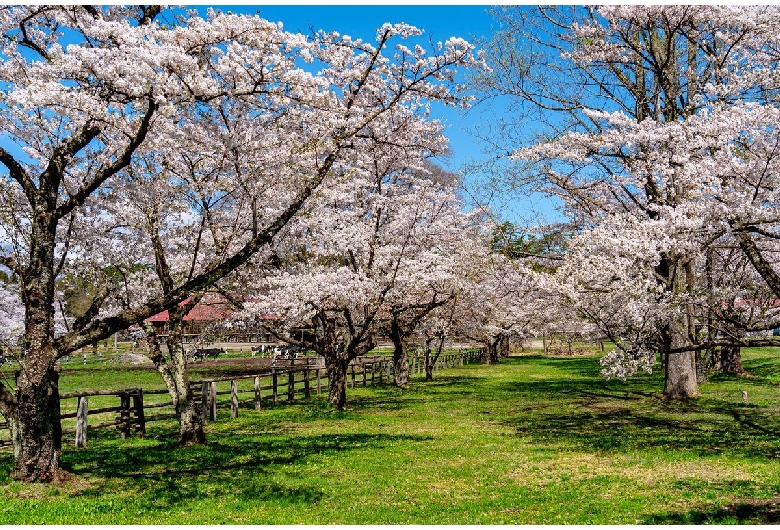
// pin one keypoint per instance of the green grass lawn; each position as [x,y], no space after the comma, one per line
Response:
[534,440]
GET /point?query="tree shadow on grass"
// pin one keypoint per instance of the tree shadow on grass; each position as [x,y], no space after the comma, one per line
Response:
[746,511]
[584,366]
[249,467]
[600,415]
[449,384]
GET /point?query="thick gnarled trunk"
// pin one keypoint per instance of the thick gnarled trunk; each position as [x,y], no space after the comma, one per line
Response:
[34,423]
[731,360]
[680,375]
[337,382]
[681,378]
[34,413]
[190,422]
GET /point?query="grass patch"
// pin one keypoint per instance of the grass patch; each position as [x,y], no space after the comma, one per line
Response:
[533,440]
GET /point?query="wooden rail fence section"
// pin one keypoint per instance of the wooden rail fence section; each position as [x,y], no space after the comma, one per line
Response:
[303,376]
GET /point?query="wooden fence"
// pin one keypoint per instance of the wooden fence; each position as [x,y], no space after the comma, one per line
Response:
[286,379]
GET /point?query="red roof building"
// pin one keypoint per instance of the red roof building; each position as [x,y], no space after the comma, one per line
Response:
[212,308]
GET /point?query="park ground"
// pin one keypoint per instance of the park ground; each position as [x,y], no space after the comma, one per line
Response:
[533,440]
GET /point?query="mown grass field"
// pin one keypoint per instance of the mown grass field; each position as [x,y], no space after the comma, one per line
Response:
[534,440]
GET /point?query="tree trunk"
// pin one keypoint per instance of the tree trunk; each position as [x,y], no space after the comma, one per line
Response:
[731,360]
[190,422]
[429,362]
[337,382]
[400,367]
[681,378]
[176,377]
[680,381]
[400,358]
[35,428]
[704,361]
[34,413]
[492,351]
[190,415]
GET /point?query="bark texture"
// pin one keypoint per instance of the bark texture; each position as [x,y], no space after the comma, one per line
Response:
[35,429]
[705,361]
[681,378]
[430,361]
[190,422]
[492,351]
[681,382]
[337,383]
[731,360]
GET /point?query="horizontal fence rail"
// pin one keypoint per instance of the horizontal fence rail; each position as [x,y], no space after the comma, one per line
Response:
[286,379]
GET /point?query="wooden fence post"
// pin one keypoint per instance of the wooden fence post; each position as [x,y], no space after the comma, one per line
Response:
[258,400]
[353,374]
[291,382]
[233,399]
[274,382]
[140,419]
[306,389]
[204,401]
[213,401]
[124,414]
[319,383]
[81,422]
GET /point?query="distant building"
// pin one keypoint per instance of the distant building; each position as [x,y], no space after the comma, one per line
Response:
[206,315]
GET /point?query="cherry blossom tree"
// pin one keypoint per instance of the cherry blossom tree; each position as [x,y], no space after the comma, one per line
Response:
[437,263]
[660,143]
[501,301]
[384,249]
[95,99]
[432,333]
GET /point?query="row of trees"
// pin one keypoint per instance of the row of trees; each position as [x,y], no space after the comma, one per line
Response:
[153,157]
[151,154]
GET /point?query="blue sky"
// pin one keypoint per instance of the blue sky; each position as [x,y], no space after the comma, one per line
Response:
[439,22]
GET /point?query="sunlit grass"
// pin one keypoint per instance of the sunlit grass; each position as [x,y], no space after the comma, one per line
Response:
[533,440]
